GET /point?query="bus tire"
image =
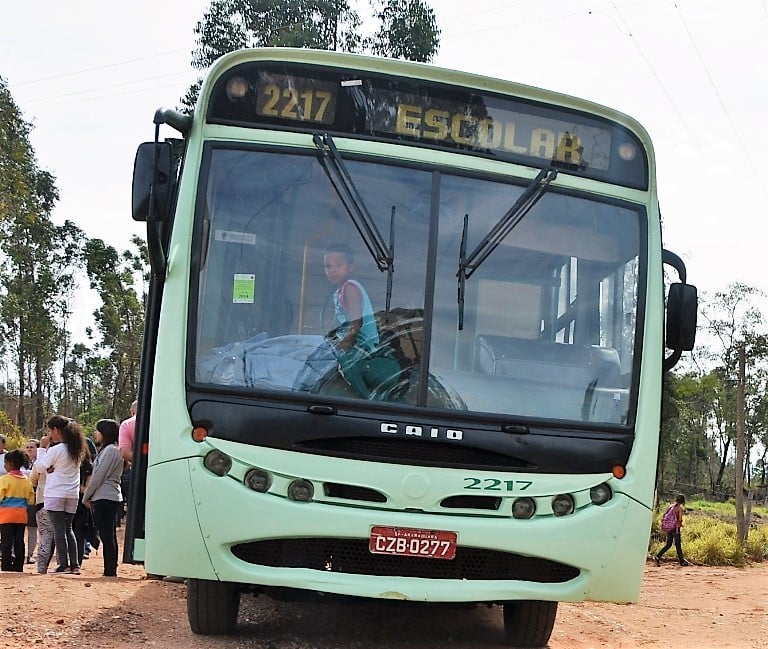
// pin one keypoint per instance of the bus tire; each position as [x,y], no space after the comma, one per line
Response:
[212,606]
[529,623]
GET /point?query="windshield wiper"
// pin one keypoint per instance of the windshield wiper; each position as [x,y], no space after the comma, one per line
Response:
[391,268]
[469,263]
[337,173]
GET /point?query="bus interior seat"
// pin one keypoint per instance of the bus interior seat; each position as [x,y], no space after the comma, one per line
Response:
[539,360]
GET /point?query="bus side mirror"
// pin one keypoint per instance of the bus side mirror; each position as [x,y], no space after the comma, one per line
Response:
[682,309]
[154,162]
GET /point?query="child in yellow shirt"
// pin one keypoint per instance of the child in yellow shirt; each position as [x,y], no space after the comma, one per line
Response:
[16,493]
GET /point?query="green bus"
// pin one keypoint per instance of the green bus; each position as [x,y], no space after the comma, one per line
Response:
[469,411]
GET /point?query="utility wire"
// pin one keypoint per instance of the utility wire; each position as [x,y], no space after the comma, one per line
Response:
[121,87]
[82,100]
[93,69]
[656,76]
[720,100]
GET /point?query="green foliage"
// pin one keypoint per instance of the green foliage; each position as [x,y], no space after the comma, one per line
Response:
[407,30]
[16,158]
[40,265]
[120,281]
[709,535]
[37,269]
[698,432]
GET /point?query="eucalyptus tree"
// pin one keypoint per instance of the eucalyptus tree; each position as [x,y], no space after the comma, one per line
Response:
[407,29]
[686,451]
[732,319]
[757,411]
[120,280]
[38,260]
[84,377]
[761,433]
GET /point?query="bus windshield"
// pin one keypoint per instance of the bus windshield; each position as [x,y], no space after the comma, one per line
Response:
[290,301]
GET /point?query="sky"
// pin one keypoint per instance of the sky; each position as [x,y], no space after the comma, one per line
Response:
[89,75]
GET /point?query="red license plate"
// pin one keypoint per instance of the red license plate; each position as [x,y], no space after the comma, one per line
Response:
[409,542]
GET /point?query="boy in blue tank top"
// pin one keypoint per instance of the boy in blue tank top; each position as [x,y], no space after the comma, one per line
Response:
[357,334]
[351,305]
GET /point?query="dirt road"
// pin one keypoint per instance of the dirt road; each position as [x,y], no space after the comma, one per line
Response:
[679,608]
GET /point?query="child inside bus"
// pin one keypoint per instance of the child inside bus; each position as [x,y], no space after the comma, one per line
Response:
[351,305]
[356,335]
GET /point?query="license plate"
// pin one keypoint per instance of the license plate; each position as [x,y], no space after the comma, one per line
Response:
[410,542]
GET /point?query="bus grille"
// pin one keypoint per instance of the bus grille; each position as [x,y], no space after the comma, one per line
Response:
[351,556]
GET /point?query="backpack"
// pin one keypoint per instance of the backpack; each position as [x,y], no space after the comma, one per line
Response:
[669,520]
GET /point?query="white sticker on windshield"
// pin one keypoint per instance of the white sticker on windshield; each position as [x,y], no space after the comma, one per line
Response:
[235,237]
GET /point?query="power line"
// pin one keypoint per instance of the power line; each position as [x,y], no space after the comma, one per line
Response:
[120,86]
[81,100]
[93,69]
[656,76]
[712,82]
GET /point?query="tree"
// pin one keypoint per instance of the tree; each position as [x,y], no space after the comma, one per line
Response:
[38,262]
[759,419]
[688,457]
[408,29]
[38,282]
[120,281]
[741,528]
[730,321]
[82,376]
[17,164]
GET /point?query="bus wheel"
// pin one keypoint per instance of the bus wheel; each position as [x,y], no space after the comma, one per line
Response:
[529,623]
[212,606]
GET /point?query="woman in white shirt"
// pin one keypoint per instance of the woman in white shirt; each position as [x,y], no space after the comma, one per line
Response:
[62,487]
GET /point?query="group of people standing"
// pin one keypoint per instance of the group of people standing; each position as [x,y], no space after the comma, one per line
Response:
[65,479]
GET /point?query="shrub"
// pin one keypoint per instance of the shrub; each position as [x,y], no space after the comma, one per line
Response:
[757,543]
[15,438]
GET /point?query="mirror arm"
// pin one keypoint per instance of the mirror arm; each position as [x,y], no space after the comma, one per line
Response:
[671,360]
[671,259]
[157,259]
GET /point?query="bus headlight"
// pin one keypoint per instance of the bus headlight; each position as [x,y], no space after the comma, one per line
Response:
[258,480]
[523,508]
[600,494]
[563,504]
[301,490]
[218,463]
